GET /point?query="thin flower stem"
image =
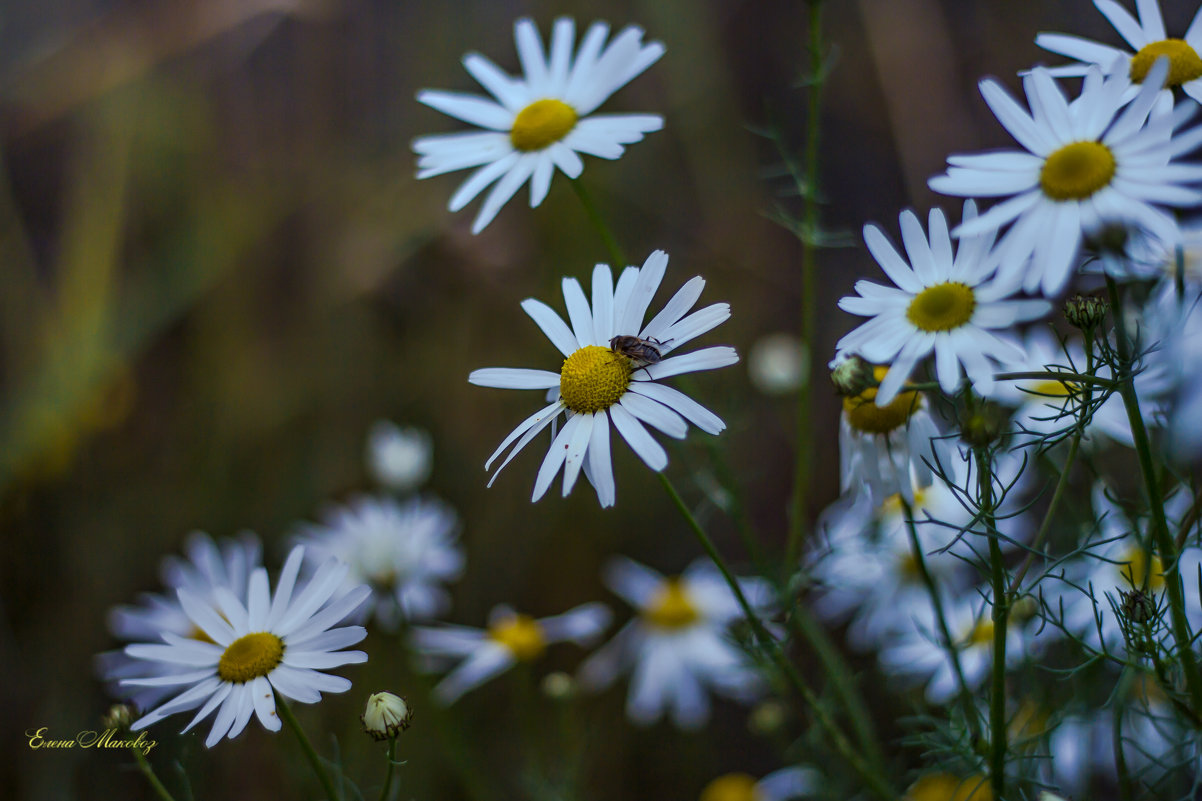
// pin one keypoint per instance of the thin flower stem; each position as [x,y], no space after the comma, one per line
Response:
[1160,526]
[384,791]
[323,775]
[1001,617]
[594,216]
[970,713]
[1058,375]
[1045,526]
[873,779]
[809,288]
[148,771]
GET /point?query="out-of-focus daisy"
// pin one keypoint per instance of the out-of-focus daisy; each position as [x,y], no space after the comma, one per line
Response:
[1148,39]
[598,385]
[403,551]
[918,653]
[678,647]
[779,785]
[541,121]
[778,364]
[398,458]
[1090,163]
[208,566]
[510,638]
[943,303]
[887,450]
[271,644]
[947,787]
[1118,565]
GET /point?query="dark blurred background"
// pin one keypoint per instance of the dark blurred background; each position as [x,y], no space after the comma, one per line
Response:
[217,270]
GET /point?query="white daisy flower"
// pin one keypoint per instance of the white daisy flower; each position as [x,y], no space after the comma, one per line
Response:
[780,785]
[208,566]
[918,653]
[599,385]
[509,639]
[943,303]
[1090,163]
[403,551]
[678,646]
[1148,40]
[271,644]
[1117,565]
[398,458]
[541,121]
[888,450]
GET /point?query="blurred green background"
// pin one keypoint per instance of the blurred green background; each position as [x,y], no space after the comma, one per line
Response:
[217,270]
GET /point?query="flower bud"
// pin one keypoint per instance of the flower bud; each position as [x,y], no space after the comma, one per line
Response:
[767,718]
[558,686]
[1085,311]
[119,717]
[1137,606]
[778,364]
[386,715]
[851,375]
[984,425]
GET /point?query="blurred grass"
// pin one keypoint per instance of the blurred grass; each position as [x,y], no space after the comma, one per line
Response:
[217,269]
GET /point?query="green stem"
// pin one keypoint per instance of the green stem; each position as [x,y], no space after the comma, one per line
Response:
[1160,526]
[144,765]
[1045,526]
[1059,375]
[770,645]
[590,209]
[809,288]
[1001,617]
[391,769]
[970,713]
[314,760]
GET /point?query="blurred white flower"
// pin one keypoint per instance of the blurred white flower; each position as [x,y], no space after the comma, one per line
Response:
[541,121]
[271,644]
[780,785]
[399,458]
[404,551]
[679,645]
[778,364]
[510,638]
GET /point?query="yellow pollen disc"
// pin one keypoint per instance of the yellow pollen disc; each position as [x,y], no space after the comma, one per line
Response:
[866,417]
[982,633]
[946,787]
[942,307]
[1055,389]
[1134,569]
[522,635]
[731,787]
[1184,63]
[249,657]
[542,123]
[671,607]
[593,378]
[1076,171]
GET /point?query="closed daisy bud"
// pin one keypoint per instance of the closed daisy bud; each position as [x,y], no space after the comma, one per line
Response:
[119,717]
[558,686]
[1085,311]
[386,715]
[984,425]
[851,376]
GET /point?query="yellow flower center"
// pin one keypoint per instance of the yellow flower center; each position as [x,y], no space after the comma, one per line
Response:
[522,635]
[1184,63]
[671,607]
[593,378]
[731,787]
[942,307]
[1054,389]
[946,787]
[1134,569]
[1076,171]
[542,123]
[866,417]
[249,657]
[981,633]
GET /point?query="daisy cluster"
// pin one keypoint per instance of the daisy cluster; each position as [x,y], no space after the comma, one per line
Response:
[954,373]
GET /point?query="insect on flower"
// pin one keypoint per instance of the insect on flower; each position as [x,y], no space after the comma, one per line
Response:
[641,352]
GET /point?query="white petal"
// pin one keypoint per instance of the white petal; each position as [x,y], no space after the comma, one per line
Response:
[513,378]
